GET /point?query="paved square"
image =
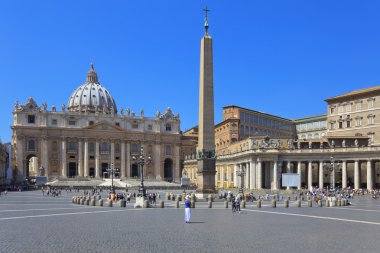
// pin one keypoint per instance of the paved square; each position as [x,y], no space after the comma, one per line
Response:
[30,222]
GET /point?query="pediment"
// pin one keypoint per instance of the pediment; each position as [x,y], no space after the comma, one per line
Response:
[104,126]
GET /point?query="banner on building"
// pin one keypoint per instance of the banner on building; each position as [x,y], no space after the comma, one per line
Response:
[290,179]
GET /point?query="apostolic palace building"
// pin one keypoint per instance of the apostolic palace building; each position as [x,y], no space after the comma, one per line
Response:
[341,148]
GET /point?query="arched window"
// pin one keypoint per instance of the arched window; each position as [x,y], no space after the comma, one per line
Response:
[105,147]
[31,145]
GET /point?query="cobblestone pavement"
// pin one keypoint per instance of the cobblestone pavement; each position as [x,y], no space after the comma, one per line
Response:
[30,222]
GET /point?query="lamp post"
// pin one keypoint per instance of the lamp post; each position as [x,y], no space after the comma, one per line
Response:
[140,161]
[332,167]
[240,174]
[112,171]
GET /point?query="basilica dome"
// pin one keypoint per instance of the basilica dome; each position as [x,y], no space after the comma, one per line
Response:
[92,97]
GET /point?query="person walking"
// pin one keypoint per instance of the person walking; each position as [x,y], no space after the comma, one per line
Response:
[187,209]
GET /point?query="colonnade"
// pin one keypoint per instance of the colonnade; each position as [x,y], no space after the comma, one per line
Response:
[259,174]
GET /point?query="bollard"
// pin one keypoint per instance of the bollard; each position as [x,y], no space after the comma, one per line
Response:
[93,202]
[319,203]
[78,200]
[146,203]
[327,203]
[109,203]
[333,203]
[87,202]
[243,204]
[298,203]
[82,201]
[228,198]
[193,198]
[273,203]
[173,197]
[309,203]
[345,202]
[161,204]
[286,203]
[100,202]
[179,197]
[258,204]
[167,196]
[177,204]
[192,204]
[72,199]
[209,204]
[339,202]
[123,203]
[100,197]
[226,204]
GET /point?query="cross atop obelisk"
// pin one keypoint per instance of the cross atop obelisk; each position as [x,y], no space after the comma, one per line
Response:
[206,136]
[206,19]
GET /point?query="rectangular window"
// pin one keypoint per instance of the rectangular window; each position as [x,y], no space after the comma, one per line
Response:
[54,122]
[134,148]
[371,120]
[358,106]
[150,127]
[168,127]
[348,107]
[370,103]
[358,122]
[135,126]
[348,123]
[340,124]
[168,150]
[31,119]
[117,124]
[72,123]
[90,123]
[340,109]
[332,110]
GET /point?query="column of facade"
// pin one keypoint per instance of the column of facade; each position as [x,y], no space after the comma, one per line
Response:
[369,175]
[321,174]
[129,160]
[356,175]
[97,160]
[247,176]
[63,158]
[228,177]
[80,159]
[235,175]
[44,155]
[241,180]
[344,174]
[157,160]
[86,159]
[310,175]
[252,174]
[275,173]
[177,160]
[221,173]
[20,155]
[299,165]
[259,174]
[122,159]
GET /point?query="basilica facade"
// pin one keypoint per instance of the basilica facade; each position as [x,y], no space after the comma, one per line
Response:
[89,136]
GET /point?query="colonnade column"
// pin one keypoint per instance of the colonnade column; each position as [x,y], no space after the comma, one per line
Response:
[259,174]
[97,160]
[63,158]
[310,175]
[299,164]
[320,174]
[369,175]
[252,174]
[240,180]
[221,172]
[288,171]
[356,175]
[80,159]
[344,174]
[247,176]
[235,175]
[85,166]
[228,177]
[122,159]
[275,172]
[177,161]
[129,160]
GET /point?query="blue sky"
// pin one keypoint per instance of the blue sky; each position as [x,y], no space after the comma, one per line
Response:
[279,57]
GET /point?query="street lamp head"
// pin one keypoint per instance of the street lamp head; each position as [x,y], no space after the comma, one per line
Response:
[134,158]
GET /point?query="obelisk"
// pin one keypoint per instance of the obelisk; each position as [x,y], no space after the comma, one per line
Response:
[206,137]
